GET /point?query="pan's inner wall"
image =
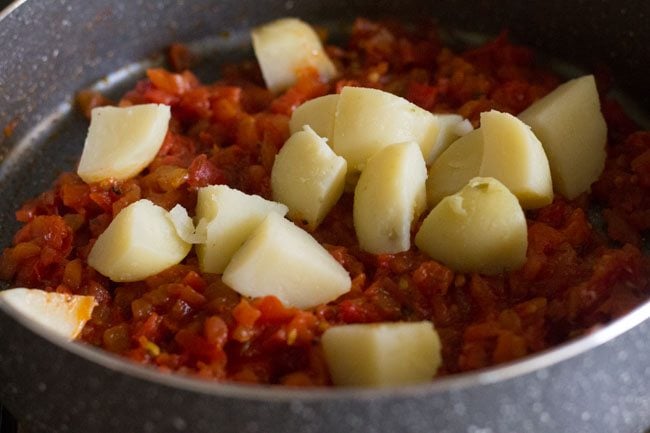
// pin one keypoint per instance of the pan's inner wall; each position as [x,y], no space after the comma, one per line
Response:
[52,49]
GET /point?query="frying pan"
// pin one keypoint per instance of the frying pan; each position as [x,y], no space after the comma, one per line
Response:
[50,49]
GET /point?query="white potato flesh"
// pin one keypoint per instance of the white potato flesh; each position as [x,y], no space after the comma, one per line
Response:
[451,171]
[482,228]
[382,354]
[61,313]
[284,47]
[185,226]
[141,241]
[389,196]
[513,155]
[230,216]
[451,127]
[284,261]
[122,141]
[308,177]
[368,120]
[572,129]
[317,113]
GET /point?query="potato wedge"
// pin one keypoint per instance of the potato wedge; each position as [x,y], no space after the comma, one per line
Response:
[285,46]
[389,196]
[229,217]
[141,241]
[382,354]
[185,226]
[121,141]
[368,120]
[318,114]
[572,129]
[282,260]
[61,313]
[482,228]
[308,177]
[451,171]
[515,157]
[451,128]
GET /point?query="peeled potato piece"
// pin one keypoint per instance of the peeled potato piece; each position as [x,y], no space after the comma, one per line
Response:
[451,127]
[451,171]
[121,141]
[308,177]
[368,120]
[382,354]
[230,216]
[515,157]
[185,226]
[317,113]
[285,46]
[389,196]
[282,260]
[573,132]
[482,229]
[64,314]
[141,241]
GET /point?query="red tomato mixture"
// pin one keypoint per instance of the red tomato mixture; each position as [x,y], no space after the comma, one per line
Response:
[575,278]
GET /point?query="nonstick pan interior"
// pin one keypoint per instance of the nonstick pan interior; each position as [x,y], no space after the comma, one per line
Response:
[57,48]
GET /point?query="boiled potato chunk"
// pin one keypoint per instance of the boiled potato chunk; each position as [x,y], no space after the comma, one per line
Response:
[318,113]
[482,229]
[230,216]
[308,177]
[571,127]
[141,241]
[61,313]
[122,141]
[503,148]
[368,120]
[382,354]
[515,157]
[451,127]
[389,196]
[282,260]
[451,171]
[185,226]
[285,46]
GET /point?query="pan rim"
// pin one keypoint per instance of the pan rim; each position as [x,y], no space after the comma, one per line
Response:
[500,373]
[10,8]
[457,382]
